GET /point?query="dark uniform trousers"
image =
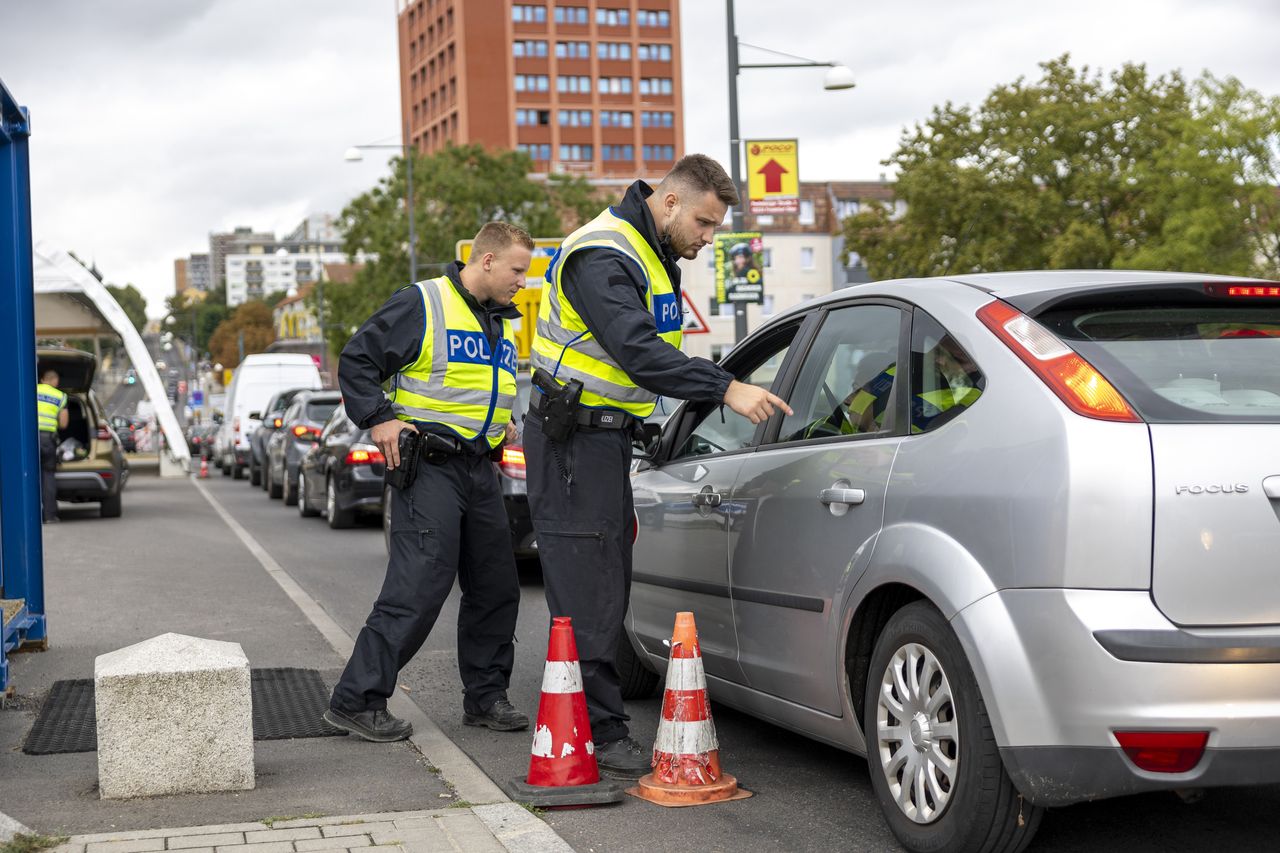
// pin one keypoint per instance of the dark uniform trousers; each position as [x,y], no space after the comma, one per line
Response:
[450,522]
[584,545]
[48,475]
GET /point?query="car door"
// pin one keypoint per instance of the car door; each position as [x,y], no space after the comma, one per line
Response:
[811,503]
[684,511]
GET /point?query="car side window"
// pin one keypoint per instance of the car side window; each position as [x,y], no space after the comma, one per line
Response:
[334,423]
[292,413]
[849,380]
[944,379]
[719,429]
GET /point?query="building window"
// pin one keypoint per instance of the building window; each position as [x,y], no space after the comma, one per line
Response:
[529,47]
[615,86]
[654,52]
[613,18]
[577,85]
[659,152]
[657,119]
[575,118]
[767,258]
[845,209]
[806,257]
[535,152]
[615,118]
[572,15]
[532,118]
[531,83]
[617,152]
[646,18]
[573,50]
[526,14]
[613,50]
[806,212]
[575,152]
[655,85]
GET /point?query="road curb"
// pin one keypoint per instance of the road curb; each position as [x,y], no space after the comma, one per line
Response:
[463,775]
[10,827]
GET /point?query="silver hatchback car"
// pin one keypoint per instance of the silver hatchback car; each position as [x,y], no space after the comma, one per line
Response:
[1017,544]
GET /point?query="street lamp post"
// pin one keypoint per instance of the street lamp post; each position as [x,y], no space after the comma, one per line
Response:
[839,77]
[353,155]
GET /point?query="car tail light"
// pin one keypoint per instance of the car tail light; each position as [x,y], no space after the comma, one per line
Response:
[104,434]
[1243,289]
[301,431]
[1163,752]
[1076,382]
[365,457]
[512,463]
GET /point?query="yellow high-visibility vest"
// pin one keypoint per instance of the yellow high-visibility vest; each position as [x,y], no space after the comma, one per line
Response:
[49,402]
[458,380]
[564,347]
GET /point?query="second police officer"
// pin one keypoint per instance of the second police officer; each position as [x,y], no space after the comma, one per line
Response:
[448,347]
[607,345]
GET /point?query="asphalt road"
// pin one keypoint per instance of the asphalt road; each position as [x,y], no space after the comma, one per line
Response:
[807,796]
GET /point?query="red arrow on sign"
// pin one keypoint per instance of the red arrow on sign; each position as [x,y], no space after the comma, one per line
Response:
[773,172]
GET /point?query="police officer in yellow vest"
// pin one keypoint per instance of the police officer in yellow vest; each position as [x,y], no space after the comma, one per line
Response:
[51,412]
[448,348]
[611,318]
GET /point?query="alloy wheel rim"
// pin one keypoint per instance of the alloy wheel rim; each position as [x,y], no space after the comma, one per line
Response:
[917,734]
[330,499]
[302,493]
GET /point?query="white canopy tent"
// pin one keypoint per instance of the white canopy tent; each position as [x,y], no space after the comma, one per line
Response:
[71,302]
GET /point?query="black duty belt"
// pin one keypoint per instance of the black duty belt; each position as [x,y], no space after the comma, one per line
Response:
[592,418]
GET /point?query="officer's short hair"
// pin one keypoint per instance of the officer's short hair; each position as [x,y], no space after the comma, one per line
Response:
[496,237]
[700,173]
[49,374]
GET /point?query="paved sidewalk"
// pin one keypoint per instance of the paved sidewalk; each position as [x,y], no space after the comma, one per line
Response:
[494,828]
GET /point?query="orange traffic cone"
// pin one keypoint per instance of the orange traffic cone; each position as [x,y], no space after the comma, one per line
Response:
[686,754]
[562,761]
[204,468]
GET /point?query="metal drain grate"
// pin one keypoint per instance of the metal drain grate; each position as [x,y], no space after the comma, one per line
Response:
[287,703]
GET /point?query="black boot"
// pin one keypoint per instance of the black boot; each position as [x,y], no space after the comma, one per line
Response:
[379,726]
[624,759]
[501,717]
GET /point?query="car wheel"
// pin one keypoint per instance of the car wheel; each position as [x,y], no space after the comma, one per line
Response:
[338,518]
[237,472]
[225,469]
[934,763]
[290,490]
[113,506]
[304,506]
[387,492]
[635,678]
[274,490]
[255,474]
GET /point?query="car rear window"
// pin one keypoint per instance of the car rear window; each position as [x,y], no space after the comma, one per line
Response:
[320,410]
[1183,363]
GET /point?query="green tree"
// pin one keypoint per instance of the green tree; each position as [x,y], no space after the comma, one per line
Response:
[456,190]
[133,303]
[252,319]
[1078,170]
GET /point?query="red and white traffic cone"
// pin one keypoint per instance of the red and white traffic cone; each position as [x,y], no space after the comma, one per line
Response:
[204,468]
[562,761]
[686,754]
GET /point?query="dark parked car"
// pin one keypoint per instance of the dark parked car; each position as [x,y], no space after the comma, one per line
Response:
[299,429]
[124,429]
[272,416]
[341,474]
[91,463]
[511,473]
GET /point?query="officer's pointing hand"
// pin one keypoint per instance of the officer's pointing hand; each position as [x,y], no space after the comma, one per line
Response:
[513,434]
[387,436]
[753,402]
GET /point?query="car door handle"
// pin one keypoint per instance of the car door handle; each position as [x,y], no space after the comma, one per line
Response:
[1271,487]
[845,496]
[708,497]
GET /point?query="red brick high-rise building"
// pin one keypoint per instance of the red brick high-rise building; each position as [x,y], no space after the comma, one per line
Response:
[590,87]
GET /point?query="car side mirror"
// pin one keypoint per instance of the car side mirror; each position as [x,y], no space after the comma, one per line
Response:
[255,416]
[645,440]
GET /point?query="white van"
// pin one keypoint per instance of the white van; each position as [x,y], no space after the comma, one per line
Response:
[259,377]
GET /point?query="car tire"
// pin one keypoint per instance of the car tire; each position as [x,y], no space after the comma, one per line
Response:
[971,804]
[225,469]
[274,490]
[387,493]
[290,490]
[112,507]
[636,680]
[304,506]
[255,475]
[339,519]
[237,472]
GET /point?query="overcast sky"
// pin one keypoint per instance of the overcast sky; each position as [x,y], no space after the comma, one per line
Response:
[157,121]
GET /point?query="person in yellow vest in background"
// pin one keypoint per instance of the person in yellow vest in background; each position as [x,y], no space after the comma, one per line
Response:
[607,345]
[448,348]
[51,416]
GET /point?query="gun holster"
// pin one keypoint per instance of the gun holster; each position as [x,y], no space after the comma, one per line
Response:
[557,412]
[403,475]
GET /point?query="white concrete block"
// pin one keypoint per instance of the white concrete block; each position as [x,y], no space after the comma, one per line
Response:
[175,715]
